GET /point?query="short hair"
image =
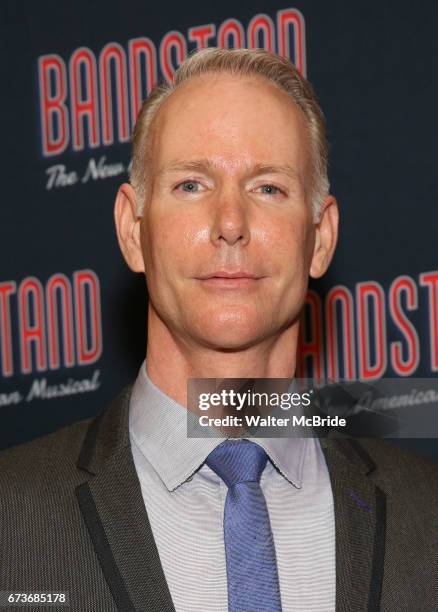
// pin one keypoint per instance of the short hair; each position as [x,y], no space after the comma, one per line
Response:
[240,62]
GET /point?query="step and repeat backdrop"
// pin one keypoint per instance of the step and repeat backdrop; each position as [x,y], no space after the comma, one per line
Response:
[74,74]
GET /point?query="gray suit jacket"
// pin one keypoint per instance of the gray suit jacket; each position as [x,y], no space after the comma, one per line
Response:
[72,519]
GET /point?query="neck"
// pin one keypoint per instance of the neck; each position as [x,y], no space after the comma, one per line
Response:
[171,360]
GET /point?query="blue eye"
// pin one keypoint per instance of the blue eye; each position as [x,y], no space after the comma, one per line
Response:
[189,186]
[270,189]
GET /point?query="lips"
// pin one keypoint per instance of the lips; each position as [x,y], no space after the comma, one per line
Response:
[229,274]
[229,280]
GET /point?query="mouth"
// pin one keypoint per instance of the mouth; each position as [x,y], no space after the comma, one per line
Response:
[229,280]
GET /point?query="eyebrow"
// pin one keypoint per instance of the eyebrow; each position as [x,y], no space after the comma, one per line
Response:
[201,165]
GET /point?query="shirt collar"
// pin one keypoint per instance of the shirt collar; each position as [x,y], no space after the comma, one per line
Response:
[158,426]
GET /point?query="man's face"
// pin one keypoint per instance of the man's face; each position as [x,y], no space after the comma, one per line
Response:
[229,189]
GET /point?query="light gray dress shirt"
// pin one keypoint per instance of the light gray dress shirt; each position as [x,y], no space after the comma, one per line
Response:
[185,499]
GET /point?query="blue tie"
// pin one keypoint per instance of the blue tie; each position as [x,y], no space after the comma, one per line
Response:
[249,546]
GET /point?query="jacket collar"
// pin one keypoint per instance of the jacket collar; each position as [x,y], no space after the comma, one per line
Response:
[112,505]
[360,524]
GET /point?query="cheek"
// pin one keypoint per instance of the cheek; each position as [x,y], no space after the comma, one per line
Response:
[168,240]
[291,243]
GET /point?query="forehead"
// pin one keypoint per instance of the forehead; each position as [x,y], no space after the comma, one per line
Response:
[235,120]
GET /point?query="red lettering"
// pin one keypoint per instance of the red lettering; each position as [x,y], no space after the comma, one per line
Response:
[287,19]
[89,345]
[59,284]
[311,348]
[84,102]
[32,327]
[430,280]
[6,290]
[261,24]
[404,367]
[201,35]
[113,53]
[173,40]
[53,111]
[340,295]
[141,48]
[366,293]
[231,35]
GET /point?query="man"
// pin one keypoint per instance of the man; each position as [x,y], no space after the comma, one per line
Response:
[227,215]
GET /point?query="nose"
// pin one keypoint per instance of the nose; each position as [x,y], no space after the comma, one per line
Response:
[230,219]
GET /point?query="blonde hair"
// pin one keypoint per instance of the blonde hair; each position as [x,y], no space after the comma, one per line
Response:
[241,62]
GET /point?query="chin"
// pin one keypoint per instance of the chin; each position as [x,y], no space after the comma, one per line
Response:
[231,331]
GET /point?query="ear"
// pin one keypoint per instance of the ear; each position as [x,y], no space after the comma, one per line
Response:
[326,237]
[128,227]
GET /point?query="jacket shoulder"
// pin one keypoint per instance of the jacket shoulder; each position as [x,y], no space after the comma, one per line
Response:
[48,455]
[402,470]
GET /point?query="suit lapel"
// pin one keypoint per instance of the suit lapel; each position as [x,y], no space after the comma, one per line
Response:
[360,523]
[112,505]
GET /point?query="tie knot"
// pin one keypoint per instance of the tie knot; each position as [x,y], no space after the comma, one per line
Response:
[237,461]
